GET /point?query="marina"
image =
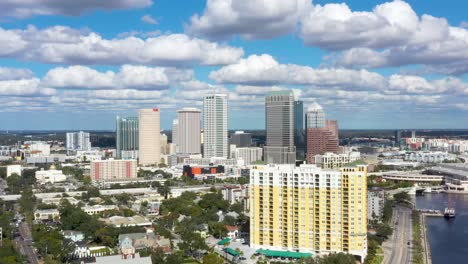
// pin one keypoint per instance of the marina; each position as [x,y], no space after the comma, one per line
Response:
[444,236]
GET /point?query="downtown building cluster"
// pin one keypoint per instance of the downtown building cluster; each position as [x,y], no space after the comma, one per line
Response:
[318,207]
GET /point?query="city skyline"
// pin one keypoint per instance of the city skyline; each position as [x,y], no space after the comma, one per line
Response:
[77,67]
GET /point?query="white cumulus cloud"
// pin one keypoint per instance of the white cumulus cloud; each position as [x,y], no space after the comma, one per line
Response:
[65,45]
[249,18]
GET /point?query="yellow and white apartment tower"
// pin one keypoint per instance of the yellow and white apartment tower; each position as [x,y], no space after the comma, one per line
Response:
[149,137]
[308,209]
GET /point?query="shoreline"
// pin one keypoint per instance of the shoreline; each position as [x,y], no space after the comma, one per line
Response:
[425,240]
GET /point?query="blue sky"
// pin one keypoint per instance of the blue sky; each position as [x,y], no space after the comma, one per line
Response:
[370,64]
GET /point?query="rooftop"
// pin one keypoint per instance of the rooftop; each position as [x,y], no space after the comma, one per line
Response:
[281,93]
[283,254]
[355,163]
[127,221]
[117,259]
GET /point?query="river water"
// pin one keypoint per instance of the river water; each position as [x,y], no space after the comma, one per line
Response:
[448,238]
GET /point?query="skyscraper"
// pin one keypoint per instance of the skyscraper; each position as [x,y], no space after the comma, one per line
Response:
[299,133]
[78,141]
[188,132]
[321,134]
[149,136]
[126,134]
[175,129]
[279,111]
[307,209]
[215,136]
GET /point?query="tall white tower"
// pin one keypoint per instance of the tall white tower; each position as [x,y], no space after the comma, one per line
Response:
[215,135]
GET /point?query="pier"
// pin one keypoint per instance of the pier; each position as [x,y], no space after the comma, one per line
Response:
[430,212]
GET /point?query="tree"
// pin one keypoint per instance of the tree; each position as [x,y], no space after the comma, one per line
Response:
[192,243]
[340,258]
[230,220]
[15,183]
[402,196]
[212,258]
[164,190]
[217,229]
[384,231]
[27,202]
[158,256]
[50,242]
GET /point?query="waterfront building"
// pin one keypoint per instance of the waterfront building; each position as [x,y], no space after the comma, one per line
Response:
[331,160]
[299,132]
[126,134]
[241,139]
[215,118]
[109,170]
[188,132]
[279,111]
[375,206]
[248,154]
[308,209]
[321,134]
[149,141]
[78,141]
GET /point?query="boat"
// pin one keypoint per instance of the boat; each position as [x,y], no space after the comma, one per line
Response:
[449,211]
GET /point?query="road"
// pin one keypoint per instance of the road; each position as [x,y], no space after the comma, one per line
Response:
[396,249]
[26,244]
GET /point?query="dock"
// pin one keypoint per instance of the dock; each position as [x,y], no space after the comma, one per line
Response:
[430,212]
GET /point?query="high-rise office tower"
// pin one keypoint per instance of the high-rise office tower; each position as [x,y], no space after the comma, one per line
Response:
[397,138]
[279,111]
[78,141]
[307,209]
[126,134]
[215,136]
[175,129]
[321,134]
[188,132]
[299,132]
[149,136]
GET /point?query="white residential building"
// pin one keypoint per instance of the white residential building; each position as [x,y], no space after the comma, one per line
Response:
[13,169]
[247,154]
[96,209]
[88,155]
[78,141]
[38,148]
[50,176]
[215,123]
[375,205]
[331,160]
[47,214]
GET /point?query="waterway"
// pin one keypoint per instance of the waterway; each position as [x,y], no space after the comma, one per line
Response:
[448,238]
